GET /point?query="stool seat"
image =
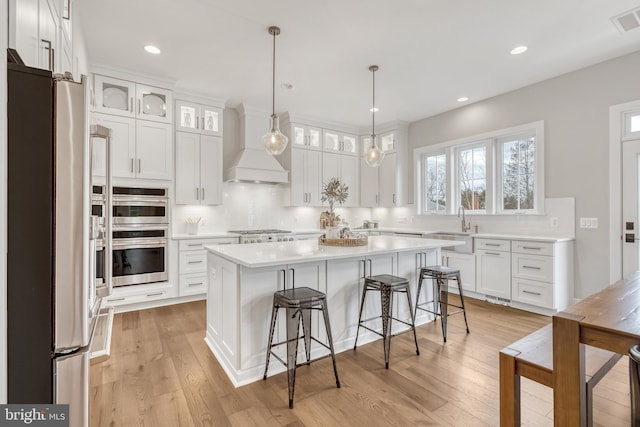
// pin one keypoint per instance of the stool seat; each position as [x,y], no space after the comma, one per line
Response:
[440,276]
[298,296]
[440,270]
[298,302]
[386,280]
[387,285]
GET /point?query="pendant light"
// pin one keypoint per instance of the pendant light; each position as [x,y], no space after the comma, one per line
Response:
[274,141]
[374,154]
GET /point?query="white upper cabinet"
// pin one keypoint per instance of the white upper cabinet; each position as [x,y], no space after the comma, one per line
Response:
[339,142]
[154,104]
[198,169]
[198,118]
[386,185]
[305,136]
[125,98]
[34,31]
[114,96]
[140,149]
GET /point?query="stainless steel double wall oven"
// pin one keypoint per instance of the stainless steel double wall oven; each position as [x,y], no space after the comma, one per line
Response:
[140,235]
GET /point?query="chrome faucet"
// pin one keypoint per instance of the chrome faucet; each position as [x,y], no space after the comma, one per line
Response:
[465,227]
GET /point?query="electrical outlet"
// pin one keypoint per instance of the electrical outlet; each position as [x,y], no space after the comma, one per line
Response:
[554,222]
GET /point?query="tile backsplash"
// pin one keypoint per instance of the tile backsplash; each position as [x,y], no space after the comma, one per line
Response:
[252,206]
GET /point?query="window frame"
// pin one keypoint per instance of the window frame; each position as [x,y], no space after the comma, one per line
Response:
[488,174]
[493,196]
[447,181]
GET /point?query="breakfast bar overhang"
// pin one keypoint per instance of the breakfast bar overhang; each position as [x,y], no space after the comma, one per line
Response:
[243,278]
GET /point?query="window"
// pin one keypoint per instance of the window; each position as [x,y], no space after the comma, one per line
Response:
[518,173]
[500,172]
[472,178]
[631,125]
[435,183]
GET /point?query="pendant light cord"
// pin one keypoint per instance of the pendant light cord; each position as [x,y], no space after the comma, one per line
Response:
[373,109]
[273,75]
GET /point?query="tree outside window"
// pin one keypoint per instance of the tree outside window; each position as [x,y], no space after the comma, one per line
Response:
[518,174]
[435,183]
[472,178]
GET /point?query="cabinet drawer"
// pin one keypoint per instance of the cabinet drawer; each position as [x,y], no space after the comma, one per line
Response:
[151,295]
[193,283]
[531,292]
[534,267]
[193,262]
[493,244]
[533,248]
[199,244]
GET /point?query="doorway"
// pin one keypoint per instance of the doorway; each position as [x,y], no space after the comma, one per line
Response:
[624,163]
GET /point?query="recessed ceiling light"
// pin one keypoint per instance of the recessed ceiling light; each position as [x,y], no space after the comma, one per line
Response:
[152,49]
[374,110]
[518,50]
[463,99]
[286,86]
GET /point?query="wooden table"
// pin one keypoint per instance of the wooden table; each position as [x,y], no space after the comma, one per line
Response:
[609,319]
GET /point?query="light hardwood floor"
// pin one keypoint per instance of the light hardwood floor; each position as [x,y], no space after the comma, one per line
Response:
[161,373]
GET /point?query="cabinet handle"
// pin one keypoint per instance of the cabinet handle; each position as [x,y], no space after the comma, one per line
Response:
[195,284]
[131,106]
[370,266]
[532,293]
[155,294]
[532,248]
[197,194]
[492,253]
[194,262]
[194,244]
[48,47]
[530,267]
[494,245]
[284,278]
[394,198]
[139,165]
[293,277]
[197,122]
[139,104]
[115,299]
[132,165]
[202,193]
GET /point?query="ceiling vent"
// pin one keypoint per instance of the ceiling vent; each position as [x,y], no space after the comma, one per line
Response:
[627,21]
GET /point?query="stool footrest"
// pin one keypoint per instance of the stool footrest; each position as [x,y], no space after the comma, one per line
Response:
[382,335]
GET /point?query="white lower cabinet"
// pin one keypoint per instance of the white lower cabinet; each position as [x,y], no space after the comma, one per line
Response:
[192,264]
[542,273]
[466,263]
[139,294]
[493,267]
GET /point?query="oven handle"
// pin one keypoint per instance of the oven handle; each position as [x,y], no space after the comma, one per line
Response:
[138,243]
[129,201]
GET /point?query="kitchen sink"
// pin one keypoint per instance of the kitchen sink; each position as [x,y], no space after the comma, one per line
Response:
[467,238]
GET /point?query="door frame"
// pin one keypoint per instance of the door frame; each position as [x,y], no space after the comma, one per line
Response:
[616,132]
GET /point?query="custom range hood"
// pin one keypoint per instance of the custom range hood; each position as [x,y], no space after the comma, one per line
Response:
[253,163]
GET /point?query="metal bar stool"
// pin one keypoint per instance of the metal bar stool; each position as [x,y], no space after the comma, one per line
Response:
[386,285]
[440,276]
[298,302]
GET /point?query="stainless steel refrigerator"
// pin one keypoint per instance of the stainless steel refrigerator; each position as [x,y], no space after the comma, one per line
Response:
[52,297]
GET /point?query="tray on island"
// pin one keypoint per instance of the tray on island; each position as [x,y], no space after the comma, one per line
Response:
[349,241]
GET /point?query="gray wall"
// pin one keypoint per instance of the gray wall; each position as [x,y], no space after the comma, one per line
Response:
[575,109]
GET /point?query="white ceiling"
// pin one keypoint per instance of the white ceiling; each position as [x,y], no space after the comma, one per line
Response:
[430,52]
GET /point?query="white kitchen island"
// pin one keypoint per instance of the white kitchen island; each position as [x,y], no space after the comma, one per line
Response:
[243,278]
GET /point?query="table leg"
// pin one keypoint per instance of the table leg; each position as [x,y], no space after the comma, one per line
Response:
[569,396]
[509,389]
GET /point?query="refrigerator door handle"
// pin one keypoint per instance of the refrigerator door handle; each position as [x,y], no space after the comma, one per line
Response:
[106,288]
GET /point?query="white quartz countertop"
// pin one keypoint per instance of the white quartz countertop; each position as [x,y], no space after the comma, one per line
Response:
[272,254]
[214,235]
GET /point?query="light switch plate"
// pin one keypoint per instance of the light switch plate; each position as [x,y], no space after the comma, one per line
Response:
[588,222]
